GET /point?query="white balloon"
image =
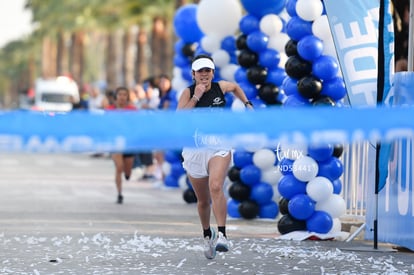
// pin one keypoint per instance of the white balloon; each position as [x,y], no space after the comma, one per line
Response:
[276,195]
[319,189]
[166,168]
[335,206]
[238,105]
[305,169]
[309,10]
[336,226]
[278,42]
[264,159]
[227,72]
[321,29]
[271,175]
[211,43]
[271,24]
[219,17]
[221,58]
[182,182]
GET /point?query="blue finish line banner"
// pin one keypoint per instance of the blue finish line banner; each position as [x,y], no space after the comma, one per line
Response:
[134,131]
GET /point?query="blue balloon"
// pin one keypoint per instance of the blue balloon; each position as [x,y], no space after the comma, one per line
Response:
[178,46]
[331,168]
[233,208]
[171,181]
[240,75]
[181,61]
[297,28]
[320,222]
[291,7]
[249,23]
[269,210]
[258,103]
[261,8]
[285,166]
[242,158]
[276,76]
[289,187]
[290,86]
[320,152]
[229,99]
[185,24]
[334,88]
[262,193]
[186,73]
[301,207]
[257,41]
[310,47]
[249,89]
[250,174]
[296,101]
[172,156]
[269,58]
[177,169]
[337,186]
[325,67]
[228,44]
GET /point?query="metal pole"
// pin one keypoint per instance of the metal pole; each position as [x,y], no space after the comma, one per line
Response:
[411,38]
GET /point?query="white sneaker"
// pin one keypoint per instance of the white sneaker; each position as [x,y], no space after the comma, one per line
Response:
[222,244]
[210,245]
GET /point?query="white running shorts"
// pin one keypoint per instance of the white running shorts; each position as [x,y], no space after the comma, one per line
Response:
[196,160]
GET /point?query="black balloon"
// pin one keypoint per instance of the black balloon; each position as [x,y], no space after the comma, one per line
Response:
[338,150]
[189,196]
[297,68]
[291,48]
[309,87]
[239,191]
[283,206]
[249,209]
[257,74]
[234,173]
[268,93]
[241,42]
[188,50]
[288,224]
[323,101]
[247,58]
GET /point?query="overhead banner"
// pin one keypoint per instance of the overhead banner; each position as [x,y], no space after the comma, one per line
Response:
[134,131]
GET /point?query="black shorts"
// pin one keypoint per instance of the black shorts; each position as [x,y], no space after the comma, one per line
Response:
[126,155]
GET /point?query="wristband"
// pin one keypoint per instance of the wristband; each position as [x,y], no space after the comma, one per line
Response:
[196,98]
[248,103]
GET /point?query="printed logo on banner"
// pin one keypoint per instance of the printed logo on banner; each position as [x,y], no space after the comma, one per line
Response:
[354,26]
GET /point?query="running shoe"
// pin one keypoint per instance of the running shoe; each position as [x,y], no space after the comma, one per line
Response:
[222,244]
[120,199]
[210,245]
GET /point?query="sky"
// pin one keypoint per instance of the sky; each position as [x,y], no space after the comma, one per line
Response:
[14,21]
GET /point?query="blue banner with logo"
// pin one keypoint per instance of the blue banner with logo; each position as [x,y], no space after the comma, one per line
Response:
[132,131]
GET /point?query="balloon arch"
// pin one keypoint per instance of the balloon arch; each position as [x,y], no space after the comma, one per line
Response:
[282,54]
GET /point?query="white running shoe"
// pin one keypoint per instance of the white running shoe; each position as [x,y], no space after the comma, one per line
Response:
[210,245]
[222,244]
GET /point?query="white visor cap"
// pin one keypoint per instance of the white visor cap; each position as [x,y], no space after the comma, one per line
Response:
[202,63]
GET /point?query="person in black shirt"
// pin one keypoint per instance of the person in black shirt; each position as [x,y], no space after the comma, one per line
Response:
[207,167]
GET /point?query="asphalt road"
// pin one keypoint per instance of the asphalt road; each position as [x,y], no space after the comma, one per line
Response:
[58,216]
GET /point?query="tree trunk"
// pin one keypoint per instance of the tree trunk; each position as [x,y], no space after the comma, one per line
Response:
[77,59]
[111,71]
[140,63]
[62,55]
[48,58]
[128,57]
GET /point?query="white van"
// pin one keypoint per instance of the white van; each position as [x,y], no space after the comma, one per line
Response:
[55,95]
